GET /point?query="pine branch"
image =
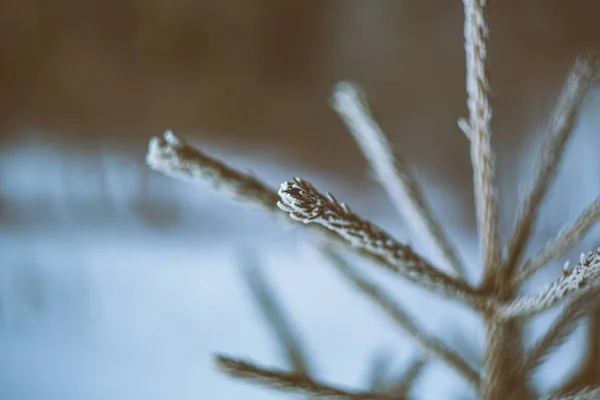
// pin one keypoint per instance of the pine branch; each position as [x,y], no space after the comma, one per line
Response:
[588,374]
[507,368]
[276,317]
[572,284]
[392,173]
[566,237]
[561,128]
[434,347]
[560,331]
[478,130]
[480,135]
[289,382]
[306,204]
[175,158]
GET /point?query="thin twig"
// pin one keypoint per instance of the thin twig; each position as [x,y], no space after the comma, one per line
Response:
[588,370]
[306,204]
[174,157]
[561,129]
[276,317]
[566,237]
[573,283]
[392,173]
[479,128]
[289,382]
[433,346]
[560,331]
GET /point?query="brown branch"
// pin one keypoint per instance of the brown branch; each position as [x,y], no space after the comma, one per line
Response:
[276,317]
[393,173]
[173,157]
[560,331]
[560,131]
[289,382]
[435,348]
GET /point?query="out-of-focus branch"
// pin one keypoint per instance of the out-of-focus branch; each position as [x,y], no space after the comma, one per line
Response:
[290,382]
[561,128]
[276,317]
[560,330]
[434,347]
[393,173]
[567,236]
[173,157]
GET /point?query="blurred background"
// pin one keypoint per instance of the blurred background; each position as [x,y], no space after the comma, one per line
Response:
[117,282]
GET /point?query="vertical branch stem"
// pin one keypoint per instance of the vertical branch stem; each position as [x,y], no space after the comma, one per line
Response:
[478,128]
[480,116]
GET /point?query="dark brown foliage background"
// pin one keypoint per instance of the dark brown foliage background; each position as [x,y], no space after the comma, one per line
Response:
[258,72]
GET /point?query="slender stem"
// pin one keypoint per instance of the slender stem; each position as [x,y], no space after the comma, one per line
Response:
[561,129]
[433,346]
[479,127]
[290,382]
[567,236]
[393,174]
[173,157]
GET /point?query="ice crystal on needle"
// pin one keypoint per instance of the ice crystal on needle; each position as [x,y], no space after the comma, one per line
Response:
[575,281]
[305,203]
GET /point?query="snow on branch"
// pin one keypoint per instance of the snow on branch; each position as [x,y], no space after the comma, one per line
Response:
[392,172]
[305,203]
[573,282]
[175,158]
